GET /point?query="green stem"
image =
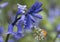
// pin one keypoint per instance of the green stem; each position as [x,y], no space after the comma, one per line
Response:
[7,38]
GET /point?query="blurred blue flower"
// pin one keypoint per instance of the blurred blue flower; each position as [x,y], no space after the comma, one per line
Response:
[58,36]
[21,9]
[57,11]
[58,28]
[54,12]
[1,39]
[1,30]
[3,4]
[11,40]
[10,29]
[51,19]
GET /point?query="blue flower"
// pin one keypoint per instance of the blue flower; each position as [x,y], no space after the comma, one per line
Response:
[3,4]
[54,12]
[19,27]
[1,39]
[37,15]
[10,29]
[28,24]
[1,30]
[21,9]
[58,28]
[58,36]
[22,20]
[21,23]
[33,11]
[35,8]
[27,19]
[31,14]
[18,35]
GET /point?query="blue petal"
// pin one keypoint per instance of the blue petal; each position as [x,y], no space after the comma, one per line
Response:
[38,10]
[32,18]
[1,39]
[1,30]
[28,22]
[10,29]
[19,11]
[37,15]
[35,6]
[19,28]
[18,35]
[22,18]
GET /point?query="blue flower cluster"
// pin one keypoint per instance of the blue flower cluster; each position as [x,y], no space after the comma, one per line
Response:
[1,34]
[25,21]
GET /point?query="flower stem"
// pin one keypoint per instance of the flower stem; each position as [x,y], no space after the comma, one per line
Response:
[7,37]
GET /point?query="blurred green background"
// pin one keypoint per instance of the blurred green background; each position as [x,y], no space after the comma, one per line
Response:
[50,14]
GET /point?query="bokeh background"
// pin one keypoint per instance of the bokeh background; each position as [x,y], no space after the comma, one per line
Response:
[50,21]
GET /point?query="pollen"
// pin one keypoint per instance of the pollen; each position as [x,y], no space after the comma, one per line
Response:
[40,34]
